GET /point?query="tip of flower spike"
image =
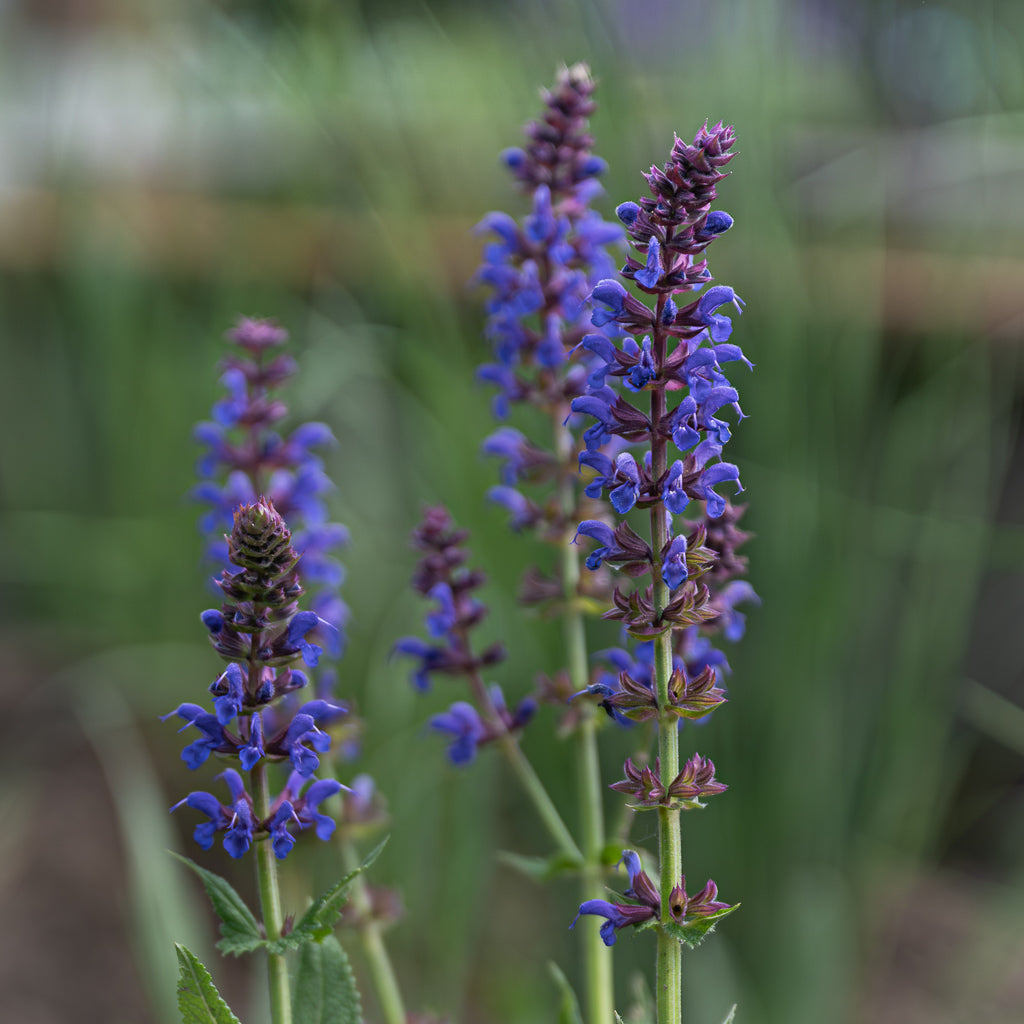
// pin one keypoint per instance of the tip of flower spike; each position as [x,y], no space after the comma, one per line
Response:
[255,334]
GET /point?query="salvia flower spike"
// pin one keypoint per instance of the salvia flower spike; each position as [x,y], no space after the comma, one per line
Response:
[660,392]
[262,635]
[246,455]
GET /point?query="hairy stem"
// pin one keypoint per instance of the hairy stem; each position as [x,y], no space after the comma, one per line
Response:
[670,845]
[541,799]
[382,971]
[525,772]
[270,902]
[597,957]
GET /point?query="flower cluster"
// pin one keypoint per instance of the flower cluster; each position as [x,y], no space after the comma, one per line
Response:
[658,391]
[643,904]
[245,457]
[261,634]
[541,269]
[443,576]
[681,354]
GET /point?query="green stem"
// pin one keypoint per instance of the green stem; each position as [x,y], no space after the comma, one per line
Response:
[597,957]
[379,963]
[670,843]
[542,802]
[270,901]
[528,777]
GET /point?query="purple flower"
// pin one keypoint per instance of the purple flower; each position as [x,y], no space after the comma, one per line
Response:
[462,722]
[298,627]
[625,496]
[524,512]
[605,537]
[673,568]
[719,473]
[235,819]
[618,915]
[719,327]
[652,272]
[213,736]
[229,688]
[673,494]
[252,751]
[431,658]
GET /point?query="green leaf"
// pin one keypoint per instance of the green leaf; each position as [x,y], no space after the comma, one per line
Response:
[240,932]
[199,1002]
[319,920]
[325,987]
[569,1006]
[732,1015]
[694,931]
[540,869]
[611,854]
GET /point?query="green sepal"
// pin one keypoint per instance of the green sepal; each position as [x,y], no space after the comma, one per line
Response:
[568,1005]
[541,869]
[694,931]
[319,920]
[673,805]
[199,1002]
[325,987]
[239,929]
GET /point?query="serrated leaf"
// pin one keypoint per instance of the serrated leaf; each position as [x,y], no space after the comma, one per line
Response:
[319,920]
[325,987]
[199,1002]
[569,1005]
[540,869]
[239,929]
[732,1015]
[695,931]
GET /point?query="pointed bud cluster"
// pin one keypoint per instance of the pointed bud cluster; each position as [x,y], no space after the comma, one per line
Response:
[260,631]
[245,456]
[695,780]
[642,905]
[634,699]
[558,153]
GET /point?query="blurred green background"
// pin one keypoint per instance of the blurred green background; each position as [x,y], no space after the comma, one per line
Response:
[166,166]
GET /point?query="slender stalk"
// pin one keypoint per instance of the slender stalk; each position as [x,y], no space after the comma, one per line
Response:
[270,902]
[538,794]
[670,845]
[378,961]
[382,971]
[528,777]
[597,957]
